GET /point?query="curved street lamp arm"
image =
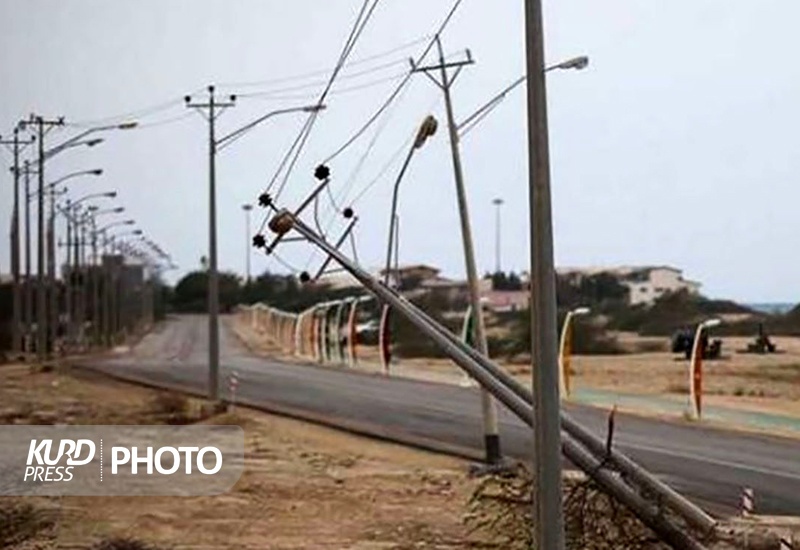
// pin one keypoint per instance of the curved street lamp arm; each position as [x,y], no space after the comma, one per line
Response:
[222,142]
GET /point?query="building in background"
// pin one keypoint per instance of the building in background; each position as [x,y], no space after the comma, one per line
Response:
[645,283]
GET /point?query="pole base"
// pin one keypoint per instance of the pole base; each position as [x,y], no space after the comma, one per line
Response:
[491,444]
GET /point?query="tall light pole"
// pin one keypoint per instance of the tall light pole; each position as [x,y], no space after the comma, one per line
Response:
[109,296]
[94,270]
[565,350]
[426,129]
[77,219]
[211,110]
[247,209]
[16,145]
[43,125]
[52,283]
[498,202]
[548,515]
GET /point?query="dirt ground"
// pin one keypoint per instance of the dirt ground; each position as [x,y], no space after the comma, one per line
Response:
[304,486]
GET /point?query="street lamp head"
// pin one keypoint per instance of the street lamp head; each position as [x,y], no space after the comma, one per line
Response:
[129,125]
[93,142]
[581,311]
[247,207]
[136,232]
[97,172]
[581,62]
[710,323]
[426,130]
[110,194]
[314,108]
[497,202]
[129,222]
[577,63]
[118,209]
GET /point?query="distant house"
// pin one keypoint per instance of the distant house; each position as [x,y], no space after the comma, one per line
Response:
[337,281]
[410,275]
[501,301]
[645,283]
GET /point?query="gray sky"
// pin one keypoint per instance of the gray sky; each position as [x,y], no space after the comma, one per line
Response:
[676,146]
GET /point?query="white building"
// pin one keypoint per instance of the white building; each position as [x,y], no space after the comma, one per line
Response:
[645,283]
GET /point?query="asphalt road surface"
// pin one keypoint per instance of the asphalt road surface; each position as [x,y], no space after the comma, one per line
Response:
[709,465]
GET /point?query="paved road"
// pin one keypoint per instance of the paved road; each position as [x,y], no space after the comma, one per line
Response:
[707,464]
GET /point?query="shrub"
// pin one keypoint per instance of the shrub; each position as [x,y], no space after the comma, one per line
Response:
[171,408]
[20,522]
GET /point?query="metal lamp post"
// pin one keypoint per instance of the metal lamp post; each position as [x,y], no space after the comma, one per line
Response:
[109,301]
[547,497]
[43,155]
[52,275]
[426,129]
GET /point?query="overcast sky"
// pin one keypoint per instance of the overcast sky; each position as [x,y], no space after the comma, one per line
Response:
[678,145]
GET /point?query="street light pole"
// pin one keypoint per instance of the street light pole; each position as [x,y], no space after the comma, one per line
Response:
[426,129]
[214,108]
[547,496]
[498,203]
[41,296]
[16,332]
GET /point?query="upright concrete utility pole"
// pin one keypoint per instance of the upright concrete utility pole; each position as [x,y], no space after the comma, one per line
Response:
[548,517]
[52,282]
[28,271]
[42,126]
[489,409]
[211,110]
[16,334]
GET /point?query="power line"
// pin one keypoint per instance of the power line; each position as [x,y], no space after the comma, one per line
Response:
[312,74]
[316,83]
[361,22]
[270,95]
[143,112]
[396,92]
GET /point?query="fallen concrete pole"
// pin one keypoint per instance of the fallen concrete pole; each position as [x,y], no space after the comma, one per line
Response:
[518,400]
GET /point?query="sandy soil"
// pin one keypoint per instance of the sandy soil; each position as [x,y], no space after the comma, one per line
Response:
[304,486]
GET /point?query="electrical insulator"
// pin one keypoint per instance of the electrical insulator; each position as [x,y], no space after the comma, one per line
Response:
[322,172]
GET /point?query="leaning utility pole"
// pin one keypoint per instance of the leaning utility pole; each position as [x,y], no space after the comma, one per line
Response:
[548,517]
[491,435]
[214,109]
[16,338]
[42,126]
